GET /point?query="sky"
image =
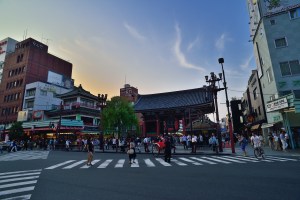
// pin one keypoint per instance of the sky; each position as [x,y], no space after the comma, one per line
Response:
[154,45]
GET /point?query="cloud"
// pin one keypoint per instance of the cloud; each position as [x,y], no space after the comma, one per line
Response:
[134,33]
[246,63]
[220,43]
[193,43]
[178,53]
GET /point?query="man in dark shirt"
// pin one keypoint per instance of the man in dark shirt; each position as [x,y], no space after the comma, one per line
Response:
[90,148]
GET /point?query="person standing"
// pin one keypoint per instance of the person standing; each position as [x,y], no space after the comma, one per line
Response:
[131,153]
[145,141]
[168,148]
[90,149]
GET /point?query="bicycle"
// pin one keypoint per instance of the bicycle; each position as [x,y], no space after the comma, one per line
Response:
[259,153]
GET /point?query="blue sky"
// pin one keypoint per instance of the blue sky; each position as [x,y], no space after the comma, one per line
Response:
[158,45]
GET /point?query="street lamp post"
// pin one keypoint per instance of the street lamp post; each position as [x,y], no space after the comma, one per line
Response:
[221,61]
[102,104]
[212,80]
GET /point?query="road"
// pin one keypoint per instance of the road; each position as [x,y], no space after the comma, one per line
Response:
[64,175]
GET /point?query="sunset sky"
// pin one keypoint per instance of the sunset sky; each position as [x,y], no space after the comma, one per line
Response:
[154,45]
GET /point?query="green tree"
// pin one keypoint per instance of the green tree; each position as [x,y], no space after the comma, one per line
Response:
[16,131]
[119,113]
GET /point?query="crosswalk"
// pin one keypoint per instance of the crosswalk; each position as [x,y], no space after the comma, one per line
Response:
[156,162]
[18,184]
[25,155]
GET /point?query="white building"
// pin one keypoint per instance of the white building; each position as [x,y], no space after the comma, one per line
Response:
[6,46]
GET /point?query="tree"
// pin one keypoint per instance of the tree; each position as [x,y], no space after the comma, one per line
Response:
[16,131]
[119,113]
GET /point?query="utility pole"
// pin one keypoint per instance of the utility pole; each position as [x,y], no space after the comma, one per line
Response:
[102,104]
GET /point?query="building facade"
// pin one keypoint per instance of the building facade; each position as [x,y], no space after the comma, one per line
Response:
[30,62]
[7,46]
[274,29]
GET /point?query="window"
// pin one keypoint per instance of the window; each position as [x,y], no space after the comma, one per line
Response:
[285,68]
[295,13]
[255,94]
[297,94]
[43,93]
[30,92]
[29,104]
[295,67]
[283,93]
[281,42]
[272,22]
[269,75]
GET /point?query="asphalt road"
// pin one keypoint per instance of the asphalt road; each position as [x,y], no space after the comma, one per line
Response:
[184,179]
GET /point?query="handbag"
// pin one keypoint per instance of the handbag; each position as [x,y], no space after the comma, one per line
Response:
[130,151]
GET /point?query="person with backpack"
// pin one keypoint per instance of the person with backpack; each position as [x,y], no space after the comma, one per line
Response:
[243,143]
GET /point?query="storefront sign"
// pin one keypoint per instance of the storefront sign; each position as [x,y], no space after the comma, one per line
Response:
[277,105]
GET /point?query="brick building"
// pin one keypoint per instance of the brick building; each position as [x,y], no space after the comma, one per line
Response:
[29,63]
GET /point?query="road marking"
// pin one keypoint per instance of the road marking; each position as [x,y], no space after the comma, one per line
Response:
[88,166]
[244,159]
[149,163]
[161,161]
[105,164]
[23,197]
[202,160]
[6,173]
[12,191]
[216,160]
[18,184]
[74,164]
[228,159]
[288,159]
[60,164]
[18,179]
[135,164]
[275,159]
[120,163]
[253,158]
[190,161]
[18,175]
[178,162]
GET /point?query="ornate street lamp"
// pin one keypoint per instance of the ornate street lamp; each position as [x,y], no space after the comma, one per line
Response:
[212,80]
[221,61]
[102,104]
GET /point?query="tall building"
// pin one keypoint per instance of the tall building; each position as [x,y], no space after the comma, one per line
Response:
[7,46]
[30,62]
[129,92]
[274,31]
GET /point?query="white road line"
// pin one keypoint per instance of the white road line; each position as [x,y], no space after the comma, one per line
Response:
[135,164]
[275,159]
[18,179]
[253,158]
[216,160]
[202,160]
[161,161]
[6,173]
[149,163]
[243,159]
[190,161]
[60,164]
[23,197]
[18,184]
[25,189]
[178,162]
[228,159]
[290,159]
[105,164]
[18,175]
[88,166]
[74,164]
[120,163]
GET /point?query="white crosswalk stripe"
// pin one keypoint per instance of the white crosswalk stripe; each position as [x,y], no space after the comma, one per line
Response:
[16,185]
[25,155]
[157,162]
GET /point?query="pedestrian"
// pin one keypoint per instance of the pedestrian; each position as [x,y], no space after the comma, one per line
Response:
[13,146]
[131,153]
[168,148]
[145,141]
[271,142]
[194,143]
[90,149]
[243,143]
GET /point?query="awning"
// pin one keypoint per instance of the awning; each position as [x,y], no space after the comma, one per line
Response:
[266,125]
[255,127]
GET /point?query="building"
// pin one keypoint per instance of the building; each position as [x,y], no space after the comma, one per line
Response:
[7,46]
[274,31]
[129,92]
[30,62]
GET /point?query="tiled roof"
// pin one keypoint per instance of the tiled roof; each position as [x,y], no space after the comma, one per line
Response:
[78,91]
[173,100]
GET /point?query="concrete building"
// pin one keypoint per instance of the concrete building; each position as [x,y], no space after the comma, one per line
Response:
[274,31]
[30,62]
[7,46]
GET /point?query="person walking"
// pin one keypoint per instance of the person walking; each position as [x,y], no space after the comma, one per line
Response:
[243,142]
[14,146]
[168,148]
[131,153]
[90,149]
